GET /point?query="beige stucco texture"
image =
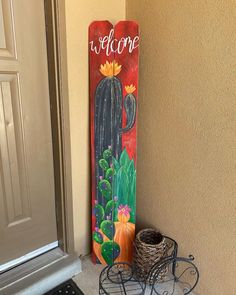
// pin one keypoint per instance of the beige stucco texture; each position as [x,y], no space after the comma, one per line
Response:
[187,131]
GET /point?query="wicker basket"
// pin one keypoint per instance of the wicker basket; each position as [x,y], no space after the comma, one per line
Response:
[149,247]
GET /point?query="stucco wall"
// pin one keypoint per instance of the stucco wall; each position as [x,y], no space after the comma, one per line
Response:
[187,130]
[187,125]
[79,14]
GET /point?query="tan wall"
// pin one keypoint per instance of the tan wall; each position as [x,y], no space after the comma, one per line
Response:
[187,130]
[79,14]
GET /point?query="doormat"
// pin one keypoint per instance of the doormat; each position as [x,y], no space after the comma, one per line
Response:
[66,288]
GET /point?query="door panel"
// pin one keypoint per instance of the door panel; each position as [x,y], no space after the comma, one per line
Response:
[13,162]
[27,201]
[7,42]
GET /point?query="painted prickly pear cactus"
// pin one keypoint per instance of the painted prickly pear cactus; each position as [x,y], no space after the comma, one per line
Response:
[113,104]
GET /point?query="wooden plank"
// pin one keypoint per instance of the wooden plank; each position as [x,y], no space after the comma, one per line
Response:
[127,54]
[97,57]
[113,101]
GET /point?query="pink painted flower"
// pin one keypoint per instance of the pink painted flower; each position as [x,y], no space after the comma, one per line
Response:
[124,213]
[124,209]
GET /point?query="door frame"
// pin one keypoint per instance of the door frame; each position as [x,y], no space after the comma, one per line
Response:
[59,102]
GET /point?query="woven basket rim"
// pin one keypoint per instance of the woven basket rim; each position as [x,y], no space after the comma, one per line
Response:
[153,230]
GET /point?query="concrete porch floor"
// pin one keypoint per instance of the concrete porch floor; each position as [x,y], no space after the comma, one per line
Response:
[88,279]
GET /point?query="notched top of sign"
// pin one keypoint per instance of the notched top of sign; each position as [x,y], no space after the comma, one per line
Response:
[110,44]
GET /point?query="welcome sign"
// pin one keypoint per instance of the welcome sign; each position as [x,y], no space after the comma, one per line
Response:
[112,45]
[113,64]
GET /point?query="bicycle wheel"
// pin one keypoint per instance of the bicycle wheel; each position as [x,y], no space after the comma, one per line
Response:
[181,277]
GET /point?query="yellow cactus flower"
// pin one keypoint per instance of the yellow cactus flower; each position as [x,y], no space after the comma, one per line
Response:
[130,88]
[110,69]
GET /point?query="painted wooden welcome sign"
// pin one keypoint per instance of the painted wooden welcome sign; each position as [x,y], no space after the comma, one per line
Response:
[113,53]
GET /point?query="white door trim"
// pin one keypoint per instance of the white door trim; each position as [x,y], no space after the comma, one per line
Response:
[13,263]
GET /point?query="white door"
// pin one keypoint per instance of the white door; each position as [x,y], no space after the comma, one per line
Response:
[27,201]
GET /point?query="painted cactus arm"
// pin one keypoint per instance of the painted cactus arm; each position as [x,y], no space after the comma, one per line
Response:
[130,109]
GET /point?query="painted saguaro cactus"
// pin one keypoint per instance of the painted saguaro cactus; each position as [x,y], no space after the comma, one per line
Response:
[113,100]
[108,110]
[108,115]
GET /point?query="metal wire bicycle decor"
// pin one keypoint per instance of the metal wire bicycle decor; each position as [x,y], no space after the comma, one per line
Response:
[119,278]
[171,275]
